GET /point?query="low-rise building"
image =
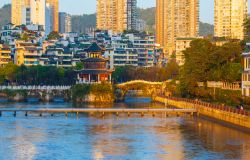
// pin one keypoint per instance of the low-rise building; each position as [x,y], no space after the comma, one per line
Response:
[246,72]
[27,53]
[181,45]
[59,57]
[5,54]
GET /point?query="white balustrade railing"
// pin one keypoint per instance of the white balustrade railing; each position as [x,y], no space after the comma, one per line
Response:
[23,87]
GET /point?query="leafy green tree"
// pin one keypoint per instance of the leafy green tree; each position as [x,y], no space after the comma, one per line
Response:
[79,66]
[53,35]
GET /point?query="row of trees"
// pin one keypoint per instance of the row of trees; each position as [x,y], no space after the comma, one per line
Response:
[128,73]
[206,62]
[36,75]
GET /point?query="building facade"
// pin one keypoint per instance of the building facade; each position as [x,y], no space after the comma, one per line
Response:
[64,22]
[246,72]
[48,19]
[174,19]
[27,54]
[229,17]
[116,15]
[55,13]
[17,7]
[5,55]
[37,8]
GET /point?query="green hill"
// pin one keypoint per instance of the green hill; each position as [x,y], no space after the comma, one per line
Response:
[80,23]
[206,29]
[148,15]
[5,14]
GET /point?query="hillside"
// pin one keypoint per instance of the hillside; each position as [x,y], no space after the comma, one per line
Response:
[5,14]
[148,15]
[81,23]
[206,29]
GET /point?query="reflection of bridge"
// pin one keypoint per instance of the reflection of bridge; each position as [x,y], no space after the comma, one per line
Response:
[102,111]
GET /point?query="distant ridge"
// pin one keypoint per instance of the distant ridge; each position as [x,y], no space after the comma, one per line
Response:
[82,23]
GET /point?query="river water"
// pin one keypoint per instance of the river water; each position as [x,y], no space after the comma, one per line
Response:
[111,137]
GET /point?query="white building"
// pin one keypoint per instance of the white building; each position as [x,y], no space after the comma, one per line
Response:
[141,25]
[37,8]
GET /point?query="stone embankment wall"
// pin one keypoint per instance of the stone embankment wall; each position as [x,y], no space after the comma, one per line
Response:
[222,113]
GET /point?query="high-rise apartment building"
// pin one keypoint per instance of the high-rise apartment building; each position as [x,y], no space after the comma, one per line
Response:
[116,15]
[28,12]
[17,7]
[48,19]
[176,19]
[55,13]
[229,16]
[64,22]
[37,15]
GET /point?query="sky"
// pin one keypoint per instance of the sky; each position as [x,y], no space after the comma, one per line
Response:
[89,6]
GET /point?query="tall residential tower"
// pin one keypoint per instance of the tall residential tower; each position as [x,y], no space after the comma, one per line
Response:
[64,22]
[54,4]
[17,7]
[116,15]
[176,19]
[229,16]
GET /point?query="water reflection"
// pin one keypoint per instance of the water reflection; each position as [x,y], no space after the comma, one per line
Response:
[113,137]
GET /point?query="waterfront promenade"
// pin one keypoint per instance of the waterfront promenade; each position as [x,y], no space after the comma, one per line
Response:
[226,114]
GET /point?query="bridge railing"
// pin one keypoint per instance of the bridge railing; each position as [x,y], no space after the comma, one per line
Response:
[23,87]
[212,106]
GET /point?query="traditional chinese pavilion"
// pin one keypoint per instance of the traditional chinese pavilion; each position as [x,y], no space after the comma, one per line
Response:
[95,66]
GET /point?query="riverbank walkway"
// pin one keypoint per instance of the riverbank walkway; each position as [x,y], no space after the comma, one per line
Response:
[101,111]
[232,116]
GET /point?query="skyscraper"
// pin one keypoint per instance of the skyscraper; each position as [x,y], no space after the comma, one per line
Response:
[37,15]
[28,12]
[48,19]
[116,15]
[175,19]
[17,7]
[64,22]
[229,16]
[55,18]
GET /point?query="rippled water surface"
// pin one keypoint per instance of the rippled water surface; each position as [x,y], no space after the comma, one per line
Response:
[112,137]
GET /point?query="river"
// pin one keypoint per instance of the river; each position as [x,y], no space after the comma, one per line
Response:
[111,137]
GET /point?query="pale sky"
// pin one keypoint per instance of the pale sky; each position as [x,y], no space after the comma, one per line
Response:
[89,6]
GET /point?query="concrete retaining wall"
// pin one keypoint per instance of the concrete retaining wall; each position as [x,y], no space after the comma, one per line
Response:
[240,120]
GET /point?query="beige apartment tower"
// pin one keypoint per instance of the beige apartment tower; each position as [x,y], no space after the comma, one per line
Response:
[54,4]
[229,17]
[116,15]
[176,19]
[16,10]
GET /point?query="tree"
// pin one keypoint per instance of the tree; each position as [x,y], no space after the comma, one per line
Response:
[53,35]
[207,62]
[79,66]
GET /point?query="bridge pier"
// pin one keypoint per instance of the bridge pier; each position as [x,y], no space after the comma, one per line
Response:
[142,114]
[128,114]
